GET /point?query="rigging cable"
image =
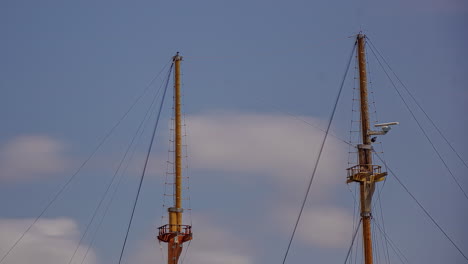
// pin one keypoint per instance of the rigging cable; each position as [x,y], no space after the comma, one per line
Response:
[93,238]
[379,188]
[121,178]
[419,105]
[391,243]
[73,176]
[386,252]
[144,167]
[137,132]
[188,175]
[422,208]
[352,241]
[420,127]
[406,189]
[320,153]
[401,183]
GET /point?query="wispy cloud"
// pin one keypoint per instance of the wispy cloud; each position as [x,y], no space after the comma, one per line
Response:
[49,241]
[324,226]
[30,156]
[276,146]
[217,244]
[282,151]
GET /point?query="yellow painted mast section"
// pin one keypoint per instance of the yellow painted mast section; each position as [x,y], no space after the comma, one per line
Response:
[175,233]
[178,143]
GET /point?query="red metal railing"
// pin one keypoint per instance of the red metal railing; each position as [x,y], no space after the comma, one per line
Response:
[185,229]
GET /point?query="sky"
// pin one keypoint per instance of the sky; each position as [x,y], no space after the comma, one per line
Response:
[259,77]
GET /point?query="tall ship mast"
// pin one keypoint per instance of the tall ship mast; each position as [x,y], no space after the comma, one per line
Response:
[365,173]
[175,234]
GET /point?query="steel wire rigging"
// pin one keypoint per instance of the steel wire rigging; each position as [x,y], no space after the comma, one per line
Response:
[436,224]
[61,189]
[137,133]
[143,173]
[439,155]
[392,245]
[350,249]
[374,119]
[332,115]
[423,209]
[111,199]
[418,104]
[327,132]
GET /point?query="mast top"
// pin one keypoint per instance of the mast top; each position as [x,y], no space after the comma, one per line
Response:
[177,57]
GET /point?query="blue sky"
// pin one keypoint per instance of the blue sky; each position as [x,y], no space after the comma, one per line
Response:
[70,69]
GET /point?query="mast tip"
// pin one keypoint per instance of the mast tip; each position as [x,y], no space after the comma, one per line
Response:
[177,57]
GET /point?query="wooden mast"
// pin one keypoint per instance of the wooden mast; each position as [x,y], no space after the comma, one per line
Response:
[175,233]
[365,155]
[365,173]
[178,147]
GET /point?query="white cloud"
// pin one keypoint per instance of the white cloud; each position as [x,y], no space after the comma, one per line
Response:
[217,244]
[280,151]
[49,241]
[284,150]
[28,157]
[276,145]
[326,227]
[216,257]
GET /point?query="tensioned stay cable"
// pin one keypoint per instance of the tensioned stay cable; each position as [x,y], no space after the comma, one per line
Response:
[418,104]
[319,153]
[115,174]
[144,167]
[422,129]
[430,141]
[422,208]
[140,132]
[73,176]
[377,205]
[93,238]
[406,189]
[395,248]
[186,144]
[386,251]
[352,241]
[385,164]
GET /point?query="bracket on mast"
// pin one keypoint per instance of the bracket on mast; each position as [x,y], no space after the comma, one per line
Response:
[175,210]
[385,127]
